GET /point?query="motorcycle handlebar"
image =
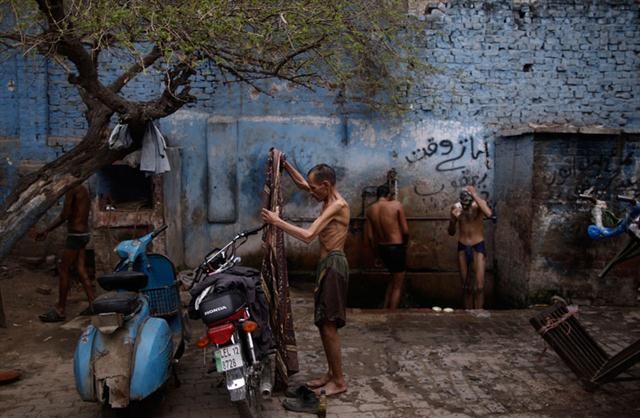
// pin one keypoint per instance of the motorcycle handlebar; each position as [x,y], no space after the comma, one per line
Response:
[251,231]
[213,254]
[159,231]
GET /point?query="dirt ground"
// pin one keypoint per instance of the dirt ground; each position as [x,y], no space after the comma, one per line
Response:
[401,364]
[26,335]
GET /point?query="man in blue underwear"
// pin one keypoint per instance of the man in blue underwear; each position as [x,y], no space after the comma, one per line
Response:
[387,232]
[469,214]
[75,212]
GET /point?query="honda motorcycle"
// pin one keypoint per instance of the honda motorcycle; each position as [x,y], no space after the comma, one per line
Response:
[230,301]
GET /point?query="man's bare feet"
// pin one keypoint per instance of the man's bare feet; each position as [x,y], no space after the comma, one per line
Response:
[332,388]
[320,381]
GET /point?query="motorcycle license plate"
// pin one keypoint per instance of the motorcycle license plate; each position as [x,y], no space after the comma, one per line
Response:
[227,358]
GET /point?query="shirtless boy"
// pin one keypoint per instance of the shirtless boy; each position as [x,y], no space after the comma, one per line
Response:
[332,273]
[75,211]
[469,213]
[386,231]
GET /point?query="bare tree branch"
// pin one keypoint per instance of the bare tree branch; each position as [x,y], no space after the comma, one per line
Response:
[73,49]
[299,51]
[135,69]
[171,99]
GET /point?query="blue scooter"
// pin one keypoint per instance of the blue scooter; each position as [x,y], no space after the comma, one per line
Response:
[136,334]
[629,224]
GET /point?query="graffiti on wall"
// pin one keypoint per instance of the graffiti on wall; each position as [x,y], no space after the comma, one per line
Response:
[467,178]
[451,165]
[596,170]
[455,153]
[608,175]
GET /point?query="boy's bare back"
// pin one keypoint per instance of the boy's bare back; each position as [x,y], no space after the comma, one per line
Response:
[386,221]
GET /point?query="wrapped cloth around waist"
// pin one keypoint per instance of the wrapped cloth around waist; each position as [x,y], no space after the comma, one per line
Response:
[335,260]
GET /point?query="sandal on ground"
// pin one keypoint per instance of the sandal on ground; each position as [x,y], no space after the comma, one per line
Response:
[297,391]
[8,376]
[308,404]
[51,316]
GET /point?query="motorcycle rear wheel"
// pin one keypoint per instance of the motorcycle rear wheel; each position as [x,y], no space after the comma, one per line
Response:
[251,406]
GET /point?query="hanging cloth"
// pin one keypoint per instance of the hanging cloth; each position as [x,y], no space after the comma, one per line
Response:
[275,276]
[153,157]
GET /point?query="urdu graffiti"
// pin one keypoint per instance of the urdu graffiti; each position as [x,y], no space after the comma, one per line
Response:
[455,153]
[450,166]
[607,174]
[467,178]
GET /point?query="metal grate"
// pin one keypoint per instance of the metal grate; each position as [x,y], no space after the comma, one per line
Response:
[163,301]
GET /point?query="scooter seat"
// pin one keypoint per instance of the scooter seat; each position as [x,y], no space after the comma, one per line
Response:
[120,302]
[123,280]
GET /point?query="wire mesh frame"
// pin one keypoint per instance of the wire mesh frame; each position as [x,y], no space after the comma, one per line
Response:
[163,301]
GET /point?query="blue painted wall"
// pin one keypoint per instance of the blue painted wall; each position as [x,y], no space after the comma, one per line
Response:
[502,64]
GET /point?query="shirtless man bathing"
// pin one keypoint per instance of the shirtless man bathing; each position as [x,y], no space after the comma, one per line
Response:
[386,231]
[469,214]
[332,273]
[75,212]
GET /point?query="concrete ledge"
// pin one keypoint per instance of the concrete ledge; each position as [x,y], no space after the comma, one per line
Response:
[53,141]
[515,131]
[532,128]
[599,130]
[26,167]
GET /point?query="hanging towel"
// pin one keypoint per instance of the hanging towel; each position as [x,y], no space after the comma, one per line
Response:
[276,278]
[153,157]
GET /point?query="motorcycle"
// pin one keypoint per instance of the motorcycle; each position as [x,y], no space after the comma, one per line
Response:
[600,229]
[136,334]
[230,301]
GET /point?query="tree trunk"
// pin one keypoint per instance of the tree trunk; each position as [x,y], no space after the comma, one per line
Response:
[39,191]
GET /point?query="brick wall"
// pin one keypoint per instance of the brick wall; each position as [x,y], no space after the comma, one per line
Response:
[501,62]
[510,62]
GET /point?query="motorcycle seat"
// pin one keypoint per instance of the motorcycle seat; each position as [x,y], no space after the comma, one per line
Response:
[120,302]
[123,280]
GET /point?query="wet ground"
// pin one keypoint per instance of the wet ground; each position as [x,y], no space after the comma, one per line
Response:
[404,364]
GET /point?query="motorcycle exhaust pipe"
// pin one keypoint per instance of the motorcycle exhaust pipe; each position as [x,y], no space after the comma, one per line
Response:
[265,389]
[266,383]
